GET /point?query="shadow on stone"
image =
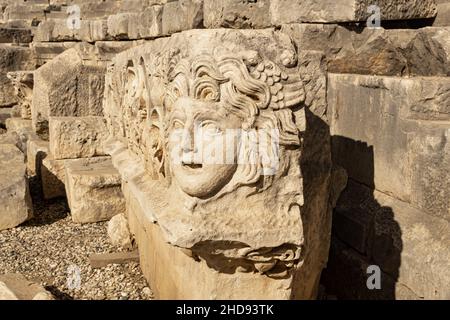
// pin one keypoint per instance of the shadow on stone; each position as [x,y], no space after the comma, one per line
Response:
[364,232]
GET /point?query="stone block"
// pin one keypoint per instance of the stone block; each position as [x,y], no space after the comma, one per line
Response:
[236,14]
[327,11]
[77,137]
[94,192]
[443,16]
[65,87]
[15,200]
[23,129]
[392,133]
[15,35]
[182,15]
[53,174]
[371,51]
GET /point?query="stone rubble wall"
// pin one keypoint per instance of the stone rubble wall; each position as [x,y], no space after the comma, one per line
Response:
[382,94]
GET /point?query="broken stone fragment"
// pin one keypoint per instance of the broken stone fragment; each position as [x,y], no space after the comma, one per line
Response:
[118,232]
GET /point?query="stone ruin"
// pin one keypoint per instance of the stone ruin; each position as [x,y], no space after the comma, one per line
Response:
[101,101]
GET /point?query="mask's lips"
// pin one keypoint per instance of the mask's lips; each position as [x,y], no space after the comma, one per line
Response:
[193,165]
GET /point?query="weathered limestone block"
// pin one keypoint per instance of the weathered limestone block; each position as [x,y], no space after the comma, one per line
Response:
[15,35]
[23,82]
[232,84]
[66,87]
[24,289]
[291,11]
[77,137]
[12,58]
[443,16]
[391,52]
[236,14]
[182,15]
[145,24]
[94,192]
[392,133]
[15,200]
[53,174]
[23,129]
[37,150]
[25,12]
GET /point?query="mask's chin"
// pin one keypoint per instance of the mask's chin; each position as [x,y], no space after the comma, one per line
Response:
[202,181]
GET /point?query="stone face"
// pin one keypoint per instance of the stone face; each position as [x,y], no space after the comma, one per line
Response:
[325,11]
[77,137]
[15,200]
[118,232]
[94,192]
[236,14]
[66,87]
[410,159]
[252,79]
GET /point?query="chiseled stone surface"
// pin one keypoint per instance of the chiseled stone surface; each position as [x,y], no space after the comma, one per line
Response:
[15,200]
[94,192]
[210,220]
[77,137]
[326,11]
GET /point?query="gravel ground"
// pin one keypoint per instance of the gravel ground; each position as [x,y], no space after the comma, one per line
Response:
[50,249]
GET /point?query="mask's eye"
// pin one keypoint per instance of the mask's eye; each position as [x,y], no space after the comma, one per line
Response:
[210,128]
[177,125]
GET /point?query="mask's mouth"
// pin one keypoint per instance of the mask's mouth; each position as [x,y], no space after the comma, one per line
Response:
[192,165]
